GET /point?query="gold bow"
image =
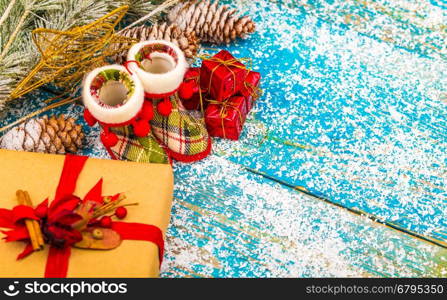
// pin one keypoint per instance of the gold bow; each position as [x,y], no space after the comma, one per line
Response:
[223,113]
[227,63]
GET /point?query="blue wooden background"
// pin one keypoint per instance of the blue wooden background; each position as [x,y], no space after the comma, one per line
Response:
[354,110]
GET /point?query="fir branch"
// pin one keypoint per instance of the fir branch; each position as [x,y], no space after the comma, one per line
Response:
[18,53]
[160,9]
[14,34]
[7,12]
[77,13]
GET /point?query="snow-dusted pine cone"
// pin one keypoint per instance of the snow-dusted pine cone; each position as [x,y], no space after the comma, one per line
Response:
[57,135]
[186,41]
[210,21]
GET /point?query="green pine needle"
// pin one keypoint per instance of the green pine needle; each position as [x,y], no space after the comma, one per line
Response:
[18,18]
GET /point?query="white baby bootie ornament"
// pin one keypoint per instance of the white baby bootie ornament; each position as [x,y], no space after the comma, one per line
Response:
[160,66]
[114,97]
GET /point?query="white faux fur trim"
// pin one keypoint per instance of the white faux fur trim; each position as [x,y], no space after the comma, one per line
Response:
[113,115]
[159,83]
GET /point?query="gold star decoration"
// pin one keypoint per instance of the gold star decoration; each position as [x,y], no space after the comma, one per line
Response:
[67,55]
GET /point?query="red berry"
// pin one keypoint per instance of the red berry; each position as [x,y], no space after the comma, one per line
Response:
[164,107]
[106,222]
[147,112]
[109,139]
[121,212]
[89,118]
[186,90]
[141,128]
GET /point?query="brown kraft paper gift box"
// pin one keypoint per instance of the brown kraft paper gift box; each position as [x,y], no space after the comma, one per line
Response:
[151,185]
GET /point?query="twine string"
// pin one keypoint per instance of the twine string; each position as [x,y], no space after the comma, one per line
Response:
[126,65]
[255,91]
[196,79]
[223,113]
[229,64]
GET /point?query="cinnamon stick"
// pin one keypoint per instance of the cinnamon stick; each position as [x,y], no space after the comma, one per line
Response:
[31,225]
[36,224]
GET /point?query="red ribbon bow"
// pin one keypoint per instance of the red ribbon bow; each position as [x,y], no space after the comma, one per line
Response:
[58,217]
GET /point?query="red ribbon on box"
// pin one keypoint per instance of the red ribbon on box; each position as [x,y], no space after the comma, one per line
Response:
[222,75]
[226,119]
[58,257]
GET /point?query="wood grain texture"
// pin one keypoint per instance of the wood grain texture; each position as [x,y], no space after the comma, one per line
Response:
[238,224]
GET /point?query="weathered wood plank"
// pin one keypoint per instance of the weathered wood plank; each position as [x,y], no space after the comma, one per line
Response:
[368,115]
[230,222]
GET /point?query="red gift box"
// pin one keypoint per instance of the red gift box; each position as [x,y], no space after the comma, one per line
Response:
[193,103]
[226,119]
[250,89]
[222,75]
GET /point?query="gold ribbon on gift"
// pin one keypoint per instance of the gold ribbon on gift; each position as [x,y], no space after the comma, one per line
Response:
[223,113]
[232,62]
[196,79]
[255,91]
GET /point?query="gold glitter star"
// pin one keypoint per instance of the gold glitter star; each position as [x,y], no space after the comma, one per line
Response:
[67,55]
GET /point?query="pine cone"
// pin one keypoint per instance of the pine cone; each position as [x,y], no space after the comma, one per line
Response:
[211,22]
[187,41]
[49,135]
